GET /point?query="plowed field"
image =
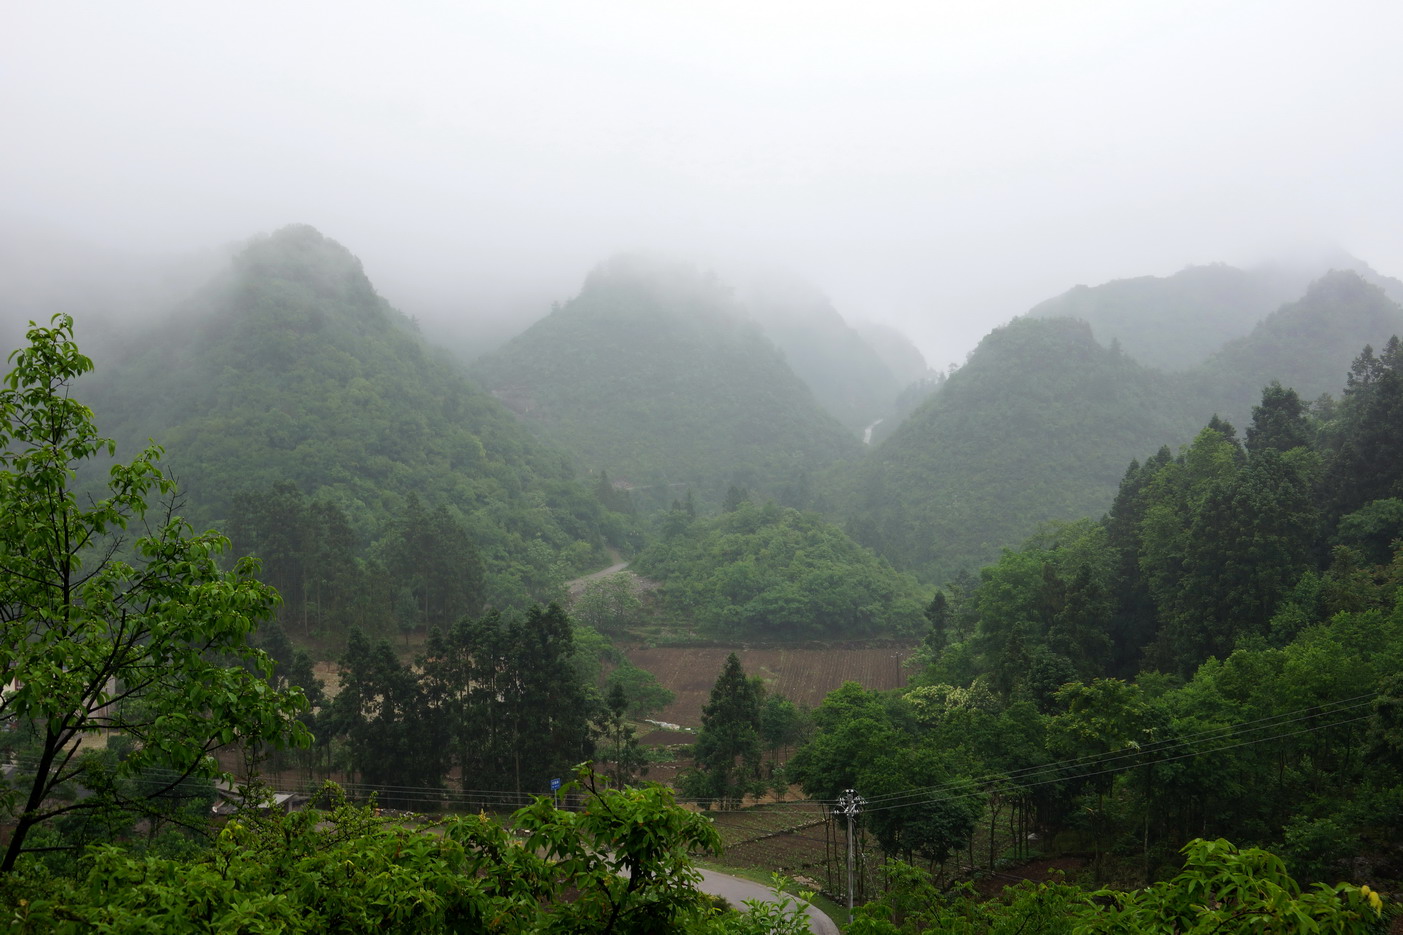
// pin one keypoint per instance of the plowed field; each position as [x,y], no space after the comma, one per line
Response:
[802,674]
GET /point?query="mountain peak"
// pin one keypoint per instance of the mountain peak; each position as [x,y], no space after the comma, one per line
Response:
[299,280]
[654,374]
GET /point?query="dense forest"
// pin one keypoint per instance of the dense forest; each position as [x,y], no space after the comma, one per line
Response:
[290,377]
[1028,430]
[1123,663]
[1216,657]
[1038,424]
[774,573]
[653,375]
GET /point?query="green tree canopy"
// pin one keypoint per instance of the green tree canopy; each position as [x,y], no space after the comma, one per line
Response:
[618,865]
[107,635]
[778,573]
[727,751]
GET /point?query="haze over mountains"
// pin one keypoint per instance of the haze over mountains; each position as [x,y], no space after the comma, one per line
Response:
[1041,422]
[287,366]
[1174,322]
[654,375]
[776,305]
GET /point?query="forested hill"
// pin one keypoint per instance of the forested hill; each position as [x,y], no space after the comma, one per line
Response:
[1038,425]
[772,573]
[1177,322]
[847,376]
[289,369]
[1042,420]
[1307,344]
[652,375]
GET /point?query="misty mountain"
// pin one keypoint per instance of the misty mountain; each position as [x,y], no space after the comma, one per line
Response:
[895,349]
[290,367]
[653,375]
[906,403]
[1041,421]
[1307,345]
[1038,425]
[847,376]
[1175,322]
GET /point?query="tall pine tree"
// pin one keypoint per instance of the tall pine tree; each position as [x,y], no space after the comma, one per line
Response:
[727,751]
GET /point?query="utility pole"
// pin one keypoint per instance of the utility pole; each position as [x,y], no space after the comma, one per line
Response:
[849,806]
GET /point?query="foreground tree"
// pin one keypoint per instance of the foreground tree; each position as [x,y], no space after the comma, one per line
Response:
[109,637]
[727,750]
[616,865]
[1222,890]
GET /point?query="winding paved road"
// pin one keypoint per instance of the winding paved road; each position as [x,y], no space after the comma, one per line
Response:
[734,890]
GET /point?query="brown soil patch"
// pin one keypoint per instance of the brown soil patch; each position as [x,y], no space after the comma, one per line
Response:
[805,675]
[330,674]
[1043,870]
[789,837]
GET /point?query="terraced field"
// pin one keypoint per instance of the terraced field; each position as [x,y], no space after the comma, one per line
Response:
[804,674]
[797,839]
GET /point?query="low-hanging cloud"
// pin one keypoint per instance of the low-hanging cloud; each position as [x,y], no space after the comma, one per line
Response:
[940,167]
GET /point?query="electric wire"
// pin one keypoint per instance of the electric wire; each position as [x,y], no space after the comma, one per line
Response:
[1291,716]
[1118,769]
[1091,766]
[1136,754]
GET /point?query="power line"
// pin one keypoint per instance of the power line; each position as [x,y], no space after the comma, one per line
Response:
[1027,778]
[1137,754]
[1230,730]
[1118,769]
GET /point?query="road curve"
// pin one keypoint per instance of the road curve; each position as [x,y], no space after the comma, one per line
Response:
[576,586]
[735,890]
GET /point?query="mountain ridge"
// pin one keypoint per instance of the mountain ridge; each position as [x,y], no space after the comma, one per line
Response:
[291,368]
[654,374]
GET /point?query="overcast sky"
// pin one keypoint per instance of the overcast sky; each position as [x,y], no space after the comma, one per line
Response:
[942,166]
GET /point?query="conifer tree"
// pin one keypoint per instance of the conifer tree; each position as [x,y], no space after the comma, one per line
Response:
[727,751]
[1279,422]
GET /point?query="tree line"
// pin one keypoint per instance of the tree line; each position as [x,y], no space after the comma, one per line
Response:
[1216,656]
[493,707]
[144,644]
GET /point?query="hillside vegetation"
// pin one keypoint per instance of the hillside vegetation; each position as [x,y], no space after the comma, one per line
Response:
[773,573]
[289,369]
[1306,344]
[1217,657]
[1035,427]
[1039,423]
[652,375]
